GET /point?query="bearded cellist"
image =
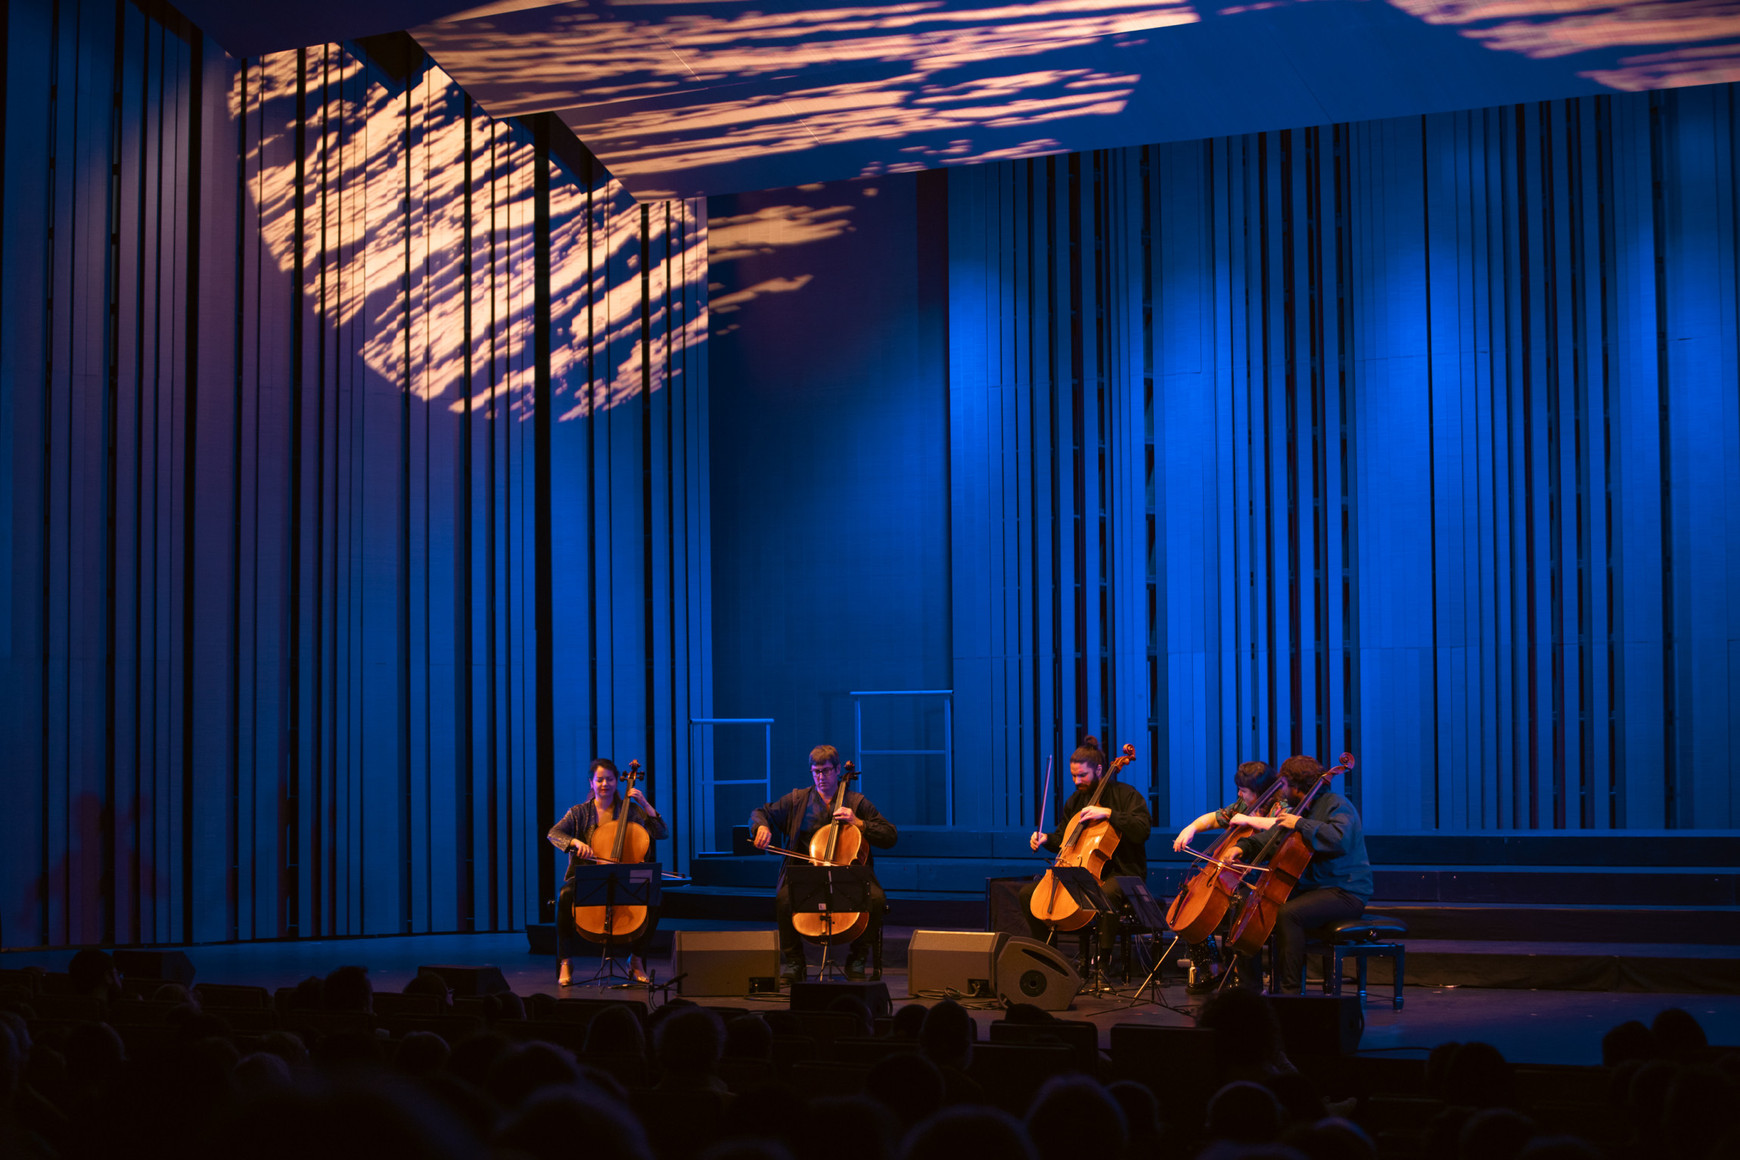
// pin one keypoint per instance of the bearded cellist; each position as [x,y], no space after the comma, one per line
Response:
[1337,882]
[1124,806]
[795,818]
[572,835]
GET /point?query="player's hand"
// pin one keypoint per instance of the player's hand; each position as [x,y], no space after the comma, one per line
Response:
[1183,838]
[1291,821]
[1036,841]
[1095,813]
[843,814]
[582,849]
[763,836]
[1235,855]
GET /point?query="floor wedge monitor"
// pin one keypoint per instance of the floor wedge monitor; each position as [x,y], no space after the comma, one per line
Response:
[725,962]
[1028,971]
[953,962]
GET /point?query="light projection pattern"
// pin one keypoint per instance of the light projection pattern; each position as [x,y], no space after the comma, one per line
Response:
[357,261]
[731,96]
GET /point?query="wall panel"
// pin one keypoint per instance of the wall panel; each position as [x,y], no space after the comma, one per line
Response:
[1438,426]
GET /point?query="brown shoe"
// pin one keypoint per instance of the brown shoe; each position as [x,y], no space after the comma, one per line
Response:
[565,976]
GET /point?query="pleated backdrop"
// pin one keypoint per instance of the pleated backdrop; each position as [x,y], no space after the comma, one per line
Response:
[1418,439]
[350,444]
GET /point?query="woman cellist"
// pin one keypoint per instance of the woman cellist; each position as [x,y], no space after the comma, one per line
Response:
[573,834]
[1120,804]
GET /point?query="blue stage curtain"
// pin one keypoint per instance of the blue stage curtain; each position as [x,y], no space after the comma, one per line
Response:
[313,373]
[1416,438]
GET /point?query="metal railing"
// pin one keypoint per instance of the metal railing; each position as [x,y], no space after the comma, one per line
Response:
[947,752]
[706,785]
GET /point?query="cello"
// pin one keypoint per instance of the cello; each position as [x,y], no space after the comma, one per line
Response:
[1207,894]
[1288,854]
[1086,844]
[628,842]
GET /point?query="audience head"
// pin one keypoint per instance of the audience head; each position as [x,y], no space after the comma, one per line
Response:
[908,1085]
[92,972]
[347,989]
[947,1035]
[908,1021]
[968,1130]
[528,1068]
[422,1054]
[859,1011]
[1075,1116]
[689,1042]
[1478,1076]
[432,984]
[1678,1035]
[748,1037]
[615,1030]
[574,1112]
[1245,1113]
[1332,1138]
[1141,1114]
[1560,1148]
[1495,1134]
[1630,1040]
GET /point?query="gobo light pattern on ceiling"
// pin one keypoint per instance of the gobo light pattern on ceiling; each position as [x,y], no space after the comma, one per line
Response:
[691,97]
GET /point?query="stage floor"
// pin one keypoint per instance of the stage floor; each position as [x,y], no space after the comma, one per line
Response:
[1562,1027]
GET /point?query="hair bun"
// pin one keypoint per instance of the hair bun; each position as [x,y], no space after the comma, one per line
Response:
[1089,741]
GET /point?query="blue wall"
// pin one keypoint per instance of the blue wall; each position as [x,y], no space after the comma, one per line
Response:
[1416,438]
[830,479]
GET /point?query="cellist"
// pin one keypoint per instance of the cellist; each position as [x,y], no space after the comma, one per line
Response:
[795,818]
[572,835]
[1336,883]
[1253,779]
[1127,810]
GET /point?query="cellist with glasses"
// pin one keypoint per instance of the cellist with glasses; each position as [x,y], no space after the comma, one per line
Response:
[794,819]
[1254,780]
[573,835]
[1120,804]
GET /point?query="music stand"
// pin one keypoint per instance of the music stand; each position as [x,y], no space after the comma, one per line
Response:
[636,884]
[828,890]
[1149,914]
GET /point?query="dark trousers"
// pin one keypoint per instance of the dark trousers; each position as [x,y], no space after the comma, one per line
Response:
[570,943]
[1106,926]
[1305,911]
[791,944]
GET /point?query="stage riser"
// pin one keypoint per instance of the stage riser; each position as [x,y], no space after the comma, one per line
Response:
[1571,886]
[1718,849]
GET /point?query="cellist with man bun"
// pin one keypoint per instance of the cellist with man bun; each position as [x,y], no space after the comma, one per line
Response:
[1122,805]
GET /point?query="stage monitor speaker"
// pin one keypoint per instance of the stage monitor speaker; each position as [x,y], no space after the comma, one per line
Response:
[1028,971]
[962,961]
[470,982]
[1319,1025]
[164,966]
[821,996]
[725,962]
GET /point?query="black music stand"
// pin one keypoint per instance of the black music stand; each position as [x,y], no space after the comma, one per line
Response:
[828,890]
[1148,913]
[635,884]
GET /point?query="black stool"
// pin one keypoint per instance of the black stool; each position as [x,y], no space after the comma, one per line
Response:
[1361,938]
